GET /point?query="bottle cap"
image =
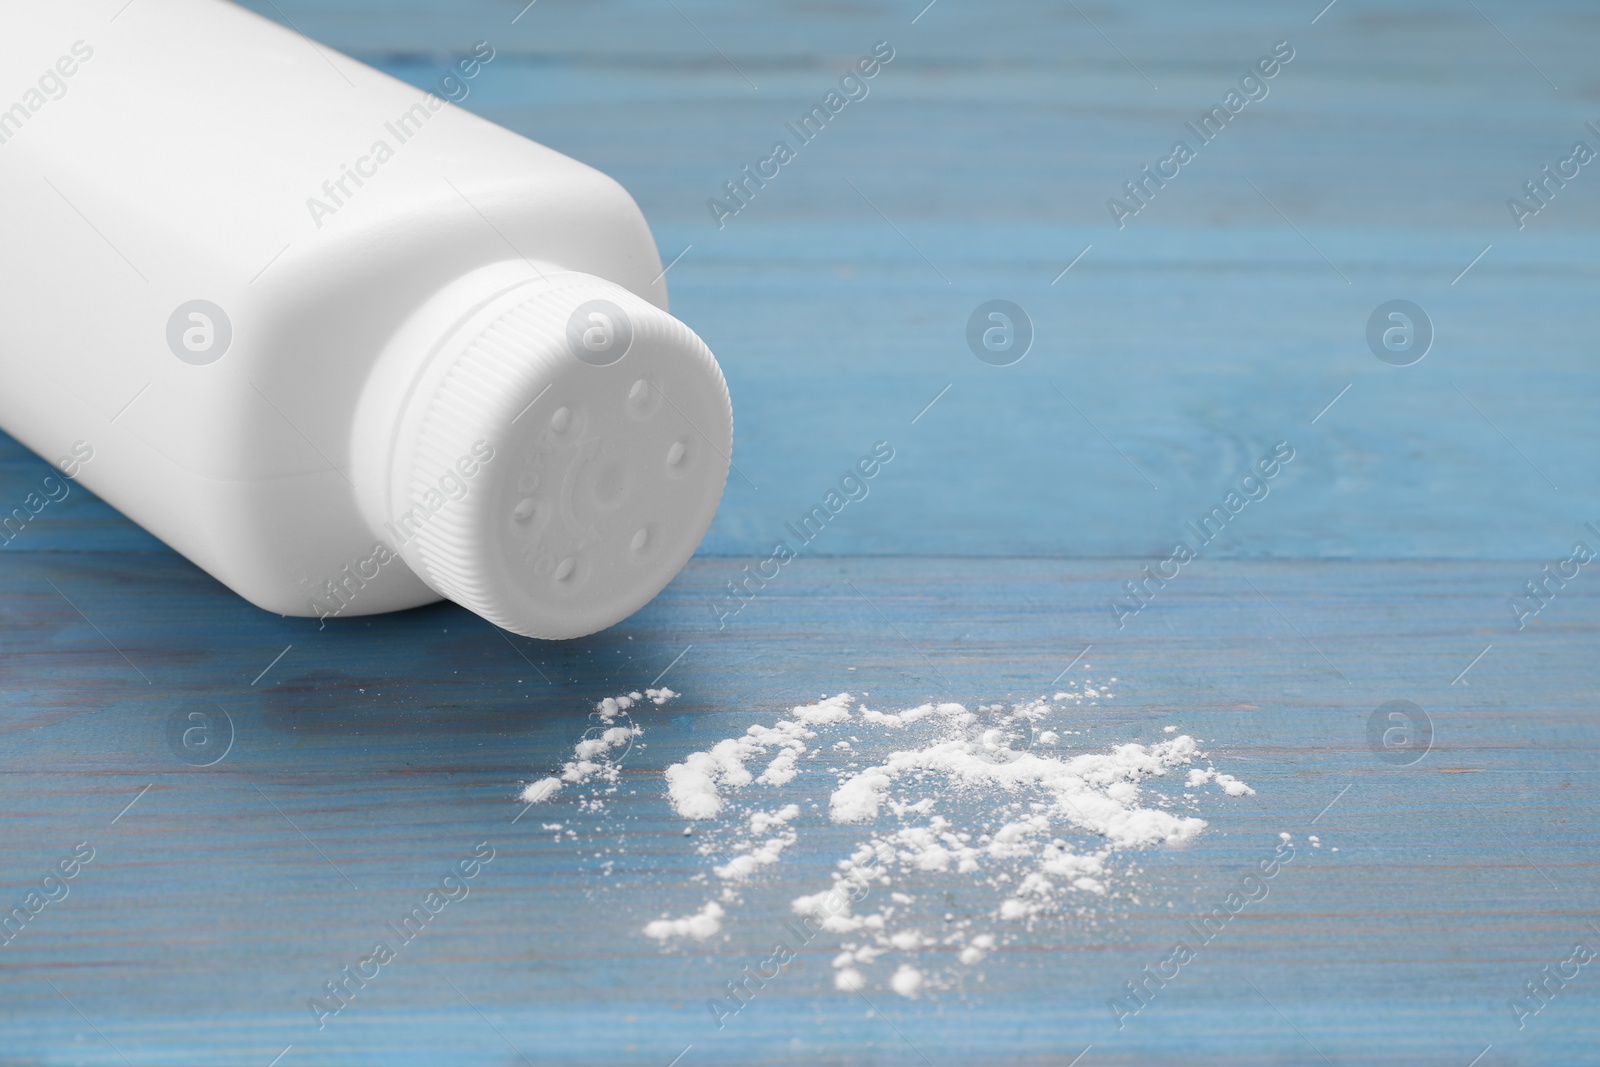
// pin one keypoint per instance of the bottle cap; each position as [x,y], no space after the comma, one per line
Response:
[558,457]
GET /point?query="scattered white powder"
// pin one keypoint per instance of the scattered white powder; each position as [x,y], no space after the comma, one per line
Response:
[701,925]
[1230,785]
[1093,792]
[833,710]
[906,718]
[596,756]
[695,786]
[753,856]
[987,812]
[977,948]
[907,981]
[584,787]
[761,821]
[543,789]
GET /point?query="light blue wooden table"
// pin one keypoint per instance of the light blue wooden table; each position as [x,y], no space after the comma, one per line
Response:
[1230,313]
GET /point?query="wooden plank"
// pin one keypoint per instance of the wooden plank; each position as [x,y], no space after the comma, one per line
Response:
[382,750]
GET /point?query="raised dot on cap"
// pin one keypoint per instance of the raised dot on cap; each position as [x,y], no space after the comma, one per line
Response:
[640,539]
[564,569]
[561,420]
[524,511]
[675,454]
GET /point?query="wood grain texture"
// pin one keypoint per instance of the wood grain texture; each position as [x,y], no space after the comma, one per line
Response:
[382,750]
[377,752]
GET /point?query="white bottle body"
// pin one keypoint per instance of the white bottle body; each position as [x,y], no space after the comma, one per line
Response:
[199,152]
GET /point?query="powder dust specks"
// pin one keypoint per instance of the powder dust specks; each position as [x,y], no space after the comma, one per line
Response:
[699,926]
[907,981]
[1230,785]
[598,755]
[696,786]
[973,826]
[585,790]
[543,789]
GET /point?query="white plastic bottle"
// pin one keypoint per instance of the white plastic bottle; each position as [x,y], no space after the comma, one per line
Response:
[344,345]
